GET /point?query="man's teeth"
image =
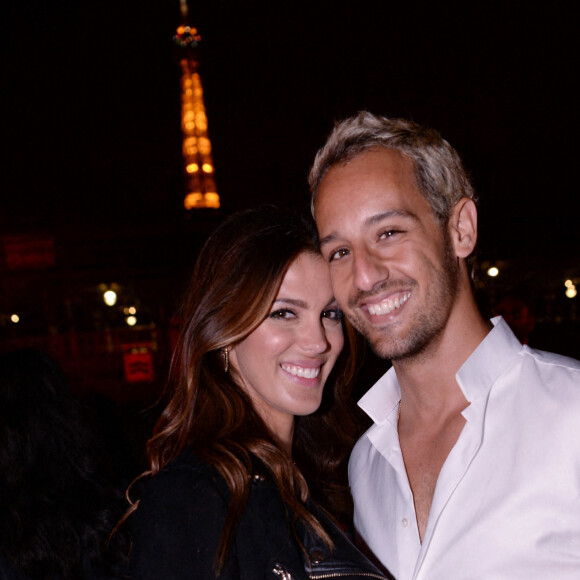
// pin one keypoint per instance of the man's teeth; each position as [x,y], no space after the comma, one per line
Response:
[307,373]
[388,305]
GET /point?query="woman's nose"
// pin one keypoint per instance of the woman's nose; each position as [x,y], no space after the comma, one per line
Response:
[314,339]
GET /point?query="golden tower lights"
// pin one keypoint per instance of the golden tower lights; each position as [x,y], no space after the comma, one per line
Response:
[199,169]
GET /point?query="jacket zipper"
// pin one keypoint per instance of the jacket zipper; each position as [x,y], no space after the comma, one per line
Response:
[284,575]
[339,574]
[279,571]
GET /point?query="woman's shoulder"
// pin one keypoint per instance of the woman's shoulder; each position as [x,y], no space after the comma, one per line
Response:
[185,482]
[176,526]
[187,465]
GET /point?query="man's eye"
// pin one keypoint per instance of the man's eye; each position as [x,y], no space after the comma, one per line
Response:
[337,254]
[388,234]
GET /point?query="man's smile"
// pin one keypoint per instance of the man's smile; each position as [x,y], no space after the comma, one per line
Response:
[387,305]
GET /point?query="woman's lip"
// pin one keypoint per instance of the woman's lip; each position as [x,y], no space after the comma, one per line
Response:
[301,370]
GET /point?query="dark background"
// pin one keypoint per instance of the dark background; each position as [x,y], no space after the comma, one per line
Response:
[91,142]
[90,102]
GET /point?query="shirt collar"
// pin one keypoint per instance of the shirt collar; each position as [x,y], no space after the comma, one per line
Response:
[488,360]
[382,398]
[475,377]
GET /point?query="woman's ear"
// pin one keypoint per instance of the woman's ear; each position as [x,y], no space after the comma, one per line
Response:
[463,227]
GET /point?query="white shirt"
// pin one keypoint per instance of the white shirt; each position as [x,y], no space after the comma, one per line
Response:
[507,501]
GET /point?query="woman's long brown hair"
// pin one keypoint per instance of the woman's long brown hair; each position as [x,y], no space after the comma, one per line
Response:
[235,281]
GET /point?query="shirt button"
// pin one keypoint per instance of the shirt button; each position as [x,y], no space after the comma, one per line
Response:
[405,522]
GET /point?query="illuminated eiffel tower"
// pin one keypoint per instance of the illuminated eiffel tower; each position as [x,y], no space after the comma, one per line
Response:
[201,189]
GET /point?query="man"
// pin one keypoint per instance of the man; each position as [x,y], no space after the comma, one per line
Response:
[472,466]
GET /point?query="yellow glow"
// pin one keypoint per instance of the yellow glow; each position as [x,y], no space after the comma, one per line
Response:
[212,199]
[201,121]
[196,144]
[110,297]
[131,320]
[190,146]
[492,272]
[15,318]
[199,200]
[204,146]
[192,200]
[571,292]
[568,283]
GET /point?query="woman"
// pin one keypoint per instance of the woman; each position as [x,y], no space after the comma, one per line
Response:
[249,420]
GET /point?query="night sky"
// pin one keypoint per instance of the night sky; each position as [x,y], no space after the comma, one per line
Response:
[90,105]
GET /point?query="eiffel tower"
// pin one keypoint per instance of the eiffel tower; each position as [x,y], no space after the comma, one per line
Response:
[201,190]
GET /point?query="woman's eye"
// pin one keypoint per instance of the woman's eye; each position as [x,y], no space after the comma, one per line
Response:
[333,314]
[337,254]
[281,314]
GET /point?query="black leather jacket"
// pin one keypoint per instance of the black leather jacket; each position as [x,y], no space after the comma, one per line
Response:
[177,527]
[344,562]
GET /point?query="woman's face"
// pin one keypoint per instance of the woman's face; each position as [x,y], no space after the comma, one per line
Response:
[284,363]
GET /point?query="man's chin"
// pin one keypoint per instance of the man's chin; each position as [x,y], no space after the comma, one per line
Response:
[383,346]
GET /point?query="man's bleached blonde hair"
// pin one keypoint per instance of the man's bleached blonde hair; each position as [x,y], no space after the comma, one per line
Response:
[439,172]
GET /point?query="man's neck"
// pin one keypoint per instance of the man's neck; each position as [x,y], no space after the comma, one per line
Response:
[430,412]
[427,380]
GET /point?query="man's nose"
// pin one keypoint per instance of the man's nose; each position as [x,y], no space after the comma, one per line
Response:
[368,271]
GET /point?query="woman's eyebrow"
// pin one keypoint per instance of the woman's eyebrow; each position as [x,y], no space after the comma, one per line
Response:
[292,302]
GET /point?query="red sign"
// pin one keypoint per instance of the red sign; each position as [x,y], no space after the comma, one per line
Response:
[139,366]
[28,252]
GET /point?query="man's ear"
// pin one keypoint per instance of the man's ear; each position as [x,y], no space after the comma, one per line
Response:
[463,227]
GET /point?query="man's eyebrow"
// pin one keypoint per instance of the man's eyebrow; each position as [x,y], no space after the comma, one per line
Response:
[379,217]
[327,239]
[371,221]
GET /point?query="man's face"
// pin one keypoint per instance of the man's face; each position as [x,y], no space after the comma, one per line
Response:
[392,267]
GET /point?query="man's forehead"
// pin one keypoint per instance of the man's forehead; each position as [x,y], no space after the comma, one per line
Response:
[371,180]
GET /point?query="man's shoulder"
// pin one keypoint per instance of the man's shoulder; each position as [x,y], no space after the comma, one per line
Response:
[552,367]
[553,359]
[550,377]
